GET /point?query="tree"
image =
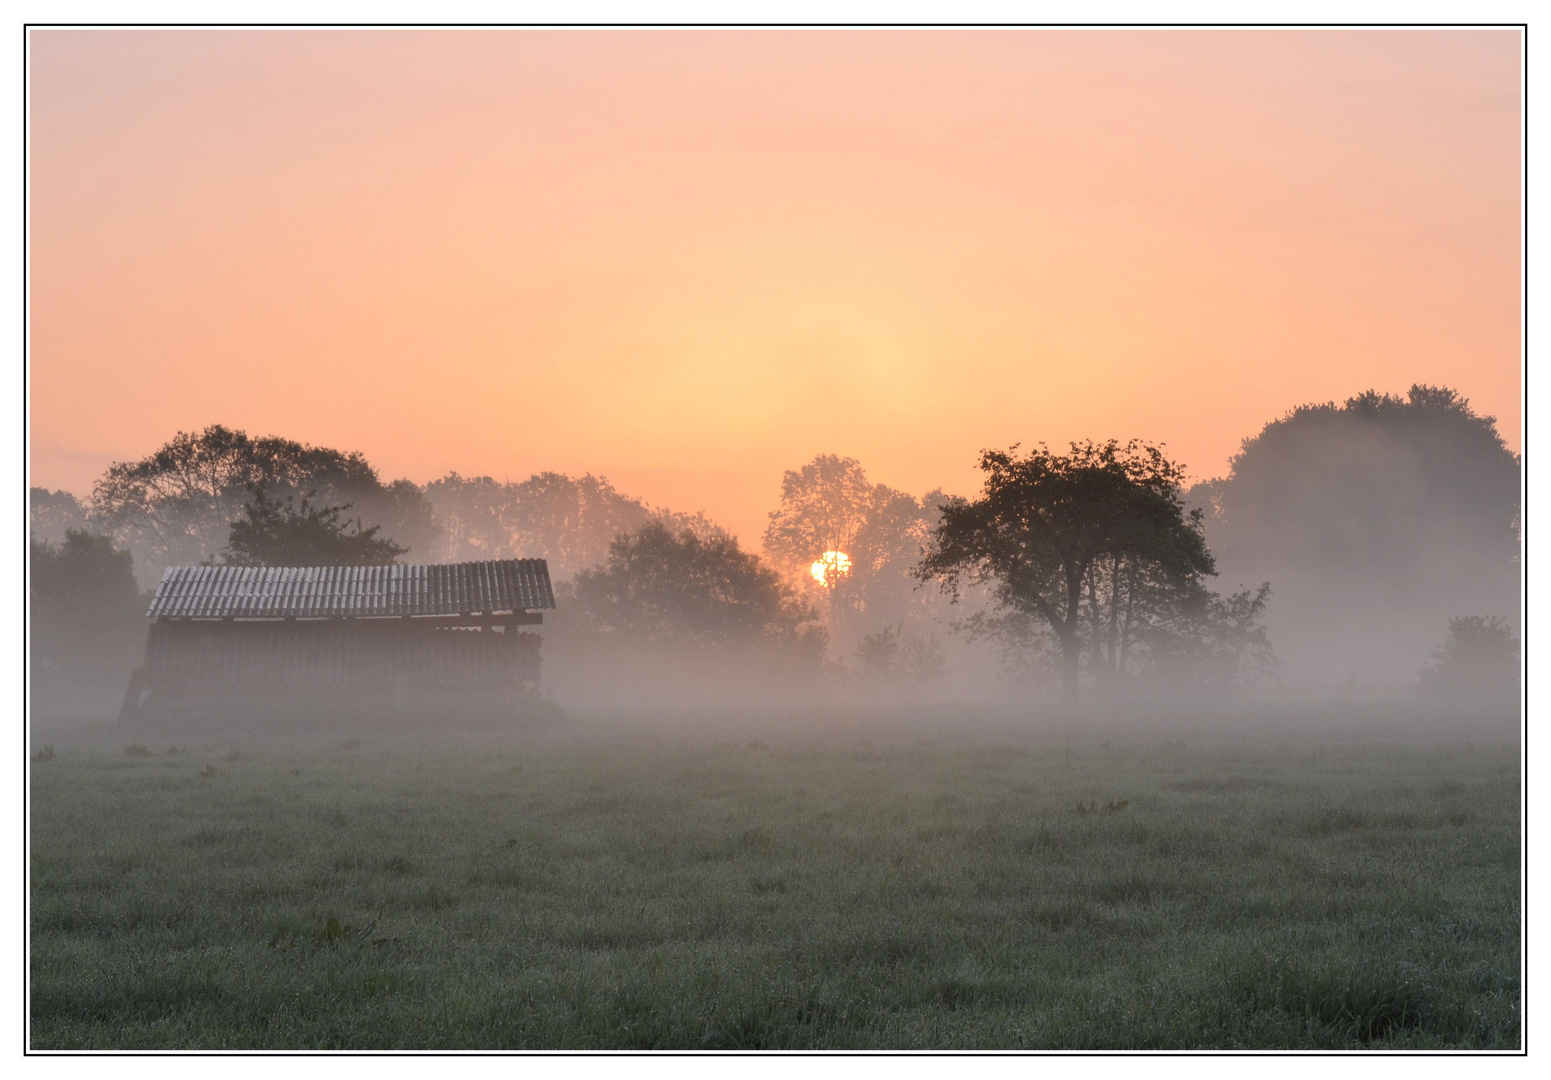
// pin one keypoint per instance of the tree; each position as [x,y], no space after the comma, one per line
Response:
[1377,518]
[830,505]
[273,533]
[887,546]
[87,620]
[565,520]
[823,507]
[900,655]
[1480,659]
[1203,639]
[85,574]
[663,585]
[1103,523]
[51,514]
[176,504]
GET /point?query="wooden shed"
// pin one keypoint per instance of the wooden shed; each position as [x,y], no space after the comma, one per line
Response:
[322,640]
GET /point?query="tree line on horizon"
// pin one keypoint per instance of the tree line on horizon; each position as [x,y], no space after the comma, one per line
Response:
[1089,566]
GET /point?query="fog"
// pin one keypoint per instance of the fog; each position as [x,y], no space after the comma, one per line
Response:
[1376,522]
[1387,528]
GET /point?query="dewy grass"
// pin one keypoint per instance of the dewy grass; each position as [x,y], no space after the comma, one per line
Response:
[1134,895]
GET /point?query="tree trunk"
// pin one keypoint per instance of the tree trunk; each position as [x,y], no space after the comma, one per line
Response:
[1071,632]
[1071,668]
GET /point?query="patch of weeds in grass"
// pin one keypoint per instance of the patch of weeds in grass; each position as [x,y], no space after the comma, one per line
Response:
[235,755]
[348,744]
[1112,807]
[398,864]
[46,754]
[1224,785]
[754,839]
[171,750]
[208,771]
[499,877]
[1130,887]
[1330,820]
[763,885]
[435,898]
[1044,840]
[1360,1004]
[1493,982]
[615,934]
[334,932]
[135,749]
[880,946]
[957,992]
[766,1024]
[1465,930]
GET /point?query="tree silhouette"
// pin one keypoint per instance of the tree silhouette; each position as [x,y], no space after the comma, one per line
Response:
[1103,523]
[830,505]
[87,622]
[661,585]
[176,504]
[1377,518]
[1480,659]
[569,521]
[823,507]
[273,533]
[51,514]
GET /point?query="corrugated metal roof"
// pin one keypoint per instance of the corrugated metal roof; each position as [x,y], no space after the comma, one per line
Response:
[272,592]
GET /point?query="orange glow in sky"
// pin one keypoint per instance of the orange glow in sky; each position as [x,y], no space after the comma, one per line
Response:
[691,259]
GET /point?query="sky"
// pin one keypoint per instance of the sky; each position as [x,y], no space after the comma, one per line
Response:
[690,259]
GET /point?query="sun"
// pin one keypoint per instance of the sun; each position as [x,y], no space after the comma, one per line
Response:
[837,563]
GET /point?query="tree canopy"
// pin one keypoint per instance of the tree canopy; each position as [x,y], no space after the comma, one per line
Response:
[51,514]
[85,573]
[1478,661]
[676,586]
[283,533]
[176,504]
[568,521]
[1377,519]
[87,617]
[831,505]
[1094,545]
[1378,484]
[824,505]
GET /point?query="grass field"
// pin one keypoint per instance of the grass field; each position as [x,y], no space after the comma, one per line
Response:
[1208,893]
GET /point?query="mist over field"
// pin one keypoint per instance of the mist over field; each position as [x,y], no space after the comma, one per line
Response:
[1361,552]
[991,769]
